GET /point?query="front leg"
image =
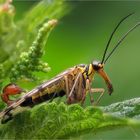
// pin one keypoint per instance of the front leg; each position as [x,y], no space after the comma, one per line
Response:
[88,89]
[94,90]
[97,90]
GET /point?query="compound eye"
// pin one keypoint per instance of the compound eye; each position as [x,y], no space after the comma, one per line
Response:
[96,67]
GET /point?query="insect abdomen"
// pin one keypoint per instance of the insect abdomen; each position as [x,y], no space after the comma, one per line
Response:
[45,93]
[30,101]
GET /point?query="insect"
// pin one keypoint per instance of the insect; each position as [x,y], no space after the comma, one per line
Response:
[74,83]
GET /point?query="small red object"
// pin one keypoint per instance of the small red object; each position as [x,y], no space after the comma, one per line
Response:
[10,89]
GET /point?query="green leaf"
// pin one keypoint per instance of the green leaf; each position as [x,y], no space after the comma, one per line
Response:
[52,120]
[128,108]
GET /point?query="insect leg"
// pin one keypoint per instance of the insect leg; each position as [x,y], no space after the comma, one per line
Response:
[67,86]
[88,88]
[83,97]
[69,100]
[82,90]
[74,85]
[52,97]
[97,90]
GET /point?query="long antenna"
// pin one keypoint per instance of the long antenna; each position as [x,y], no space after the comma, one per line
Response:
[120,41]
[106,48]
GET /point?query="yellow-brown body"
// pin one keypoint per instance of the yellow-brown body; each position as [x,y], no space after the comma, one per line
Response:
[62,85]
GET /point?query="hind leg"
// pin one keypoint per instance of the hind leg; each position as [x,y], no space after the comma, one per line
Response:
[72,97]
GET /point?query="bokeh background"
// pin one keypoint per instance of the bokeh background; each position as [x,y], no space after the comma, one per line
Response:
[81,37]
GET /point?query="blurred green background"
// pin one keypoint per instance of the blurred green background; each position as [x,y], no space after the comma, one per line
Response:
[81,37]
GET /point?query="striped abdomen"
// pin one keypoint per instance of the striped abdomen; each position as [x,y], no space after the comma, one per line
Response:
[44,94]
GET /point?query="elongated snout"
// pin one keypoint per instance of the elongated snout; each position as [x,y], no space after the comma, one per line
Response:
[107,80]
